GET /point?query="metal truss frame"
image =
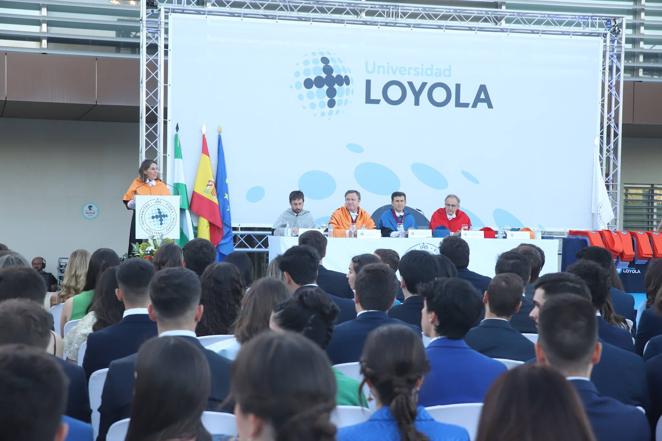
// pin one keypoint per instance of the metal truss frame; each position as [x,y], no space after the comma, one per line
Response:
[611,29]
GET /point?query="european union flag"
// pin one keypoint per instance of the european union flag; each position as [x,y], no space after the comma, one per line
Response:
[226,246]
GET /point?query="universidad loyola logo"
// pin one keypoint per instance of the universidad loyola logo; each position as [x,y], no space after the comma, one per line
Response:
[323,83]
[329,82]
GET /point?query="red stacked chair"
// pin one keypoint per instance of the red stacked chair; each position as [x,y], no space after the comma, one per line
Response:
[612,242]
[656,241]
[643,250]
[628,249]
[593,237]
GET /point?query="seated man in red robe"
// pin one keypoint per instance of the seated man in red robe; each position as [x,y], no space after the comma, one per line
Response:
[450,216]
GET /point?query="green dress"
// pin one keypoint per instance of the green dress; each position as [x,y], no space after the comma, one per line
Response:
[348,391]
[81,302]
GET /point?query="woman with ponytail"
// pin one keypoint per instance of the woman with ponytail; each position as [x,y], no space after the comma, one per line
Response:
[393,364]
[284,389]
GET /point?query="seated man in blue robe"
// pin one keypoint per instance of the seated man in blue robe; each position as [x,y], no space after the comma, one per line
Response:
[398,215]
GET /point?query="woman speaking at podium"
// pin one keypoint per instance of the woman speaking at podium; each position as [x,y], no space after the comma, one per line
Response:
[147,183]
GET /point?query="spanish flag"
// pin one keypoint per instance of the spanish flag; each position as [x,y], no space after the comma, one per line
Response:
[204,201]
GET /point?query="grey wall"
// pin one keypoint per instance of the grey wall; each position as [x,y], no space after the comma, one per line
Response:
[49,169]
[641,161]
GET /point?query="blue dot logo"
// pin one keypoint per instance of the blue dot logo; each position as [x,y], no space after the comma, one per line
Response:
[326,81]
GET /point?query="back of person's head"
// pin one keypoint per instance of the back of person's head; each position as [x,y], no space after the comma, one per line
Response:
[536,258]
[256,307]
[309,312]
[107,308]
[417,267]
[394,373]
[315,239]
[273,269]
[562,283]
[504,294]
[198,253]
[389,257]
[100,260]
[595,277]
[284,381]
[3,247]
[133,277]
[12,259]
[568,332]
[653,281]
[169,255]
[301,263]
[23,283]
[376,287]
[445,267]
[361,260]
[456,305]
[25,322]
[174,294]
[171,391]
[33,395]
[533,403]
[75,273]
[598,255]
[514,262]
[457,250]
[245,266]
[222,291]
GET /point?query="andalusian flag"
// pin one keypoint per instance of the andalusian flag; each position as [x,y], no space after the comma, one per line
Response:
[179,188]
[204,201]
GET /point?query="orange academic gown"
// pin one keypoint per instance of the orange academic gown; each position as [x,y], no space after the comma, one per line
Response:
[341,220]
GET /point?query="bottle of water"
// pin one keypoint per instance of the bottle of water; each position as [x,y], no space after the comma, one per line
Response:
[352,231]
[287,232]
[401,230]
[329,230]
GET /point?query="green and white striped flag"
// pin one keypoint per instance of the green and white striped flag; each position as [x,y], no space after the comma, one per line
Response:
[179,188]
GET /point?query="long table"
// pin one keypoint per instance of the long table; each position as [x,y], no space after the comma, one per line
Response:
[483,252]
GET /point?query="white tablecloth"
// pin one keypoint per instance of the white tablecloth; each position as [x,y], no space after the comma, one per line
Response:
[483,252]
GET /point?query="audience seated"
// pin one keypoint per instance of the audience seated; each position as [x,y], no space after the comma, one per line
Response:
[374,294]
[222,291]
[457,250]
[168,255]
[284,389]
[34,395]
[171,388]
[198,254]
[622,303]
[458,374]
[124,338]
[357,263]
[23,321]
[516,263]
[299,265]
[569,342]
[608,374]
[416,267]
[106,310]
[245,266]
[536,257]
[445,267]
[654,377]
[253,317]
[533,403]
[73,280]
[494,336]
[310,312]
[174,294]
[332,282]
[392,259]
[650,323]
[393,376]
[612,328]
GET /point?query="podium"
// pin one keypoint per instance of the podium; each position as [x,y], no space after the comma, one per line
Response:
[157,217]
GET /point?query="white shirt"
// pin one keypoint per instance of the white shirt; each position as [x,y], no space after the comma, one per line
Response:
[450,216]
[367,310]
[578,378]
[178,333]
[354,214]
[134,311]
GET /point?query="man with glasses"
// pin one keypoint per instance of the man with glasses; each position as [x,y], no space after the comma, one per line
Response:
[450,216]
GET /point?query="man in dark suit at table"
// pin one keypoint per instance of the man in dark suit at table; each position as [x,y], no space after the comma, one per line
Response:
[299,265]
[124,338]
[175,306]
[375,289]
[333,282]
[569,342]
[416,267]
[494,336]
[457,250]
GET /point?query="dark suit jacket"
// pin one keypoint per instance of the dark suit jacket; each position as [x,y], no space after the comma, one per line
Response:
[409,311]
[118,389]
[346,306]
[650,325]
[610,419]
[615,335]
[478,281]
[654,347]
[610,378]
[117,341]
[654,376]
[521,321]
[78,400]
[334,282]
[623,303]
[458,374]
[347,341]
[497,339]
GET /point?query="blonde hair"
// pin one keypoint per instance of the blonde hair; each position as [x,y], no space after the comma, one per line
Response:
[74,275]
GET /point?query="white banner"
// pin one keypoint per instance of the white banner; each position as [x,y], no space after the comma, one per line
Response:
[507,122]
